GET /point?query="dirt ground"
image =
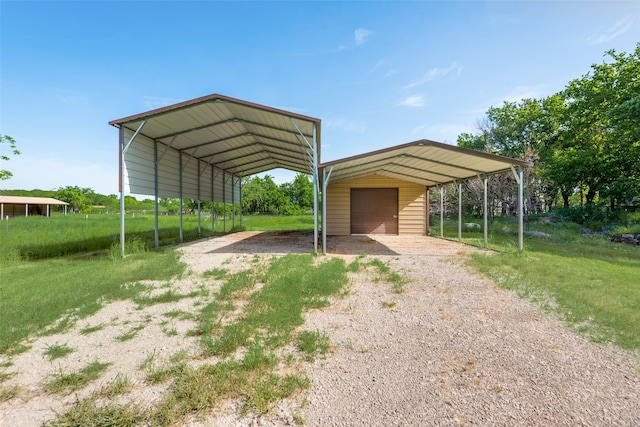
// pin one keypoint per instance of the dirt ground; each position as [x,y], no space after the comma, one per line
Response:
[451,350]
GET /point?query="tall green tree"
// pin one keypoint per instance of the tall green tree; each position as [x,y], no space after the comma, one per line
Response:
[79,199]
[602,128]
[263,195]
[299,193]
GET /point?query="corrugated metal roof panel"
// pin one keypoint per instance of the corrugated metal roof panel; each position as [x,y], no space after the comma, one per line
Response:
[425,162]
[238,136]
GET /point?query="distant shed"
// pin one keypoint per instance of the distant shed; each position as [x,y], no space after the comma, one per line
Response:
[12,206]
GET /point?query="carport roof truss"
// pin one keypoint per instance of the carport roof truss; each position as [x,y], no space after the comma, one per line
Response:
[424,162]
[237,136]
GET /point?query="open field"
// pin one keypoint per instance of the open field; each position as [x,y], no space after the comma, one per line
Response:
[591,283]
[60,235]
[413,337]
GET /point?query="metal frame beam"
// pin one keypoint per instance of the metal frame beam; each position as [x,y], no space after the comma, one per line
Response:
[123,151]
[325,181]
[314,148]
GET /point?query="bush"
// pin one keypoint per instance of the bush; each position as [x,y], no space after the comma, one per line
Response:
[595,217]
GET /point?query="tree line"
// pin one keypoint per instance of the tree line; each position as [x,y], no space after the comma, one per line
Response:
[584,140]
[260,195]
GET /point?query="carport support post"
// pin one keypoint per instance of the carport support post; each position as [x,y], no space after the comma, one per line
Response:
[233,202]
[314,159]
[325,180]
[180,183]
[460,212]
[224,201]
[518,175]
[486,213]
[315,191]
[240,208]
[123,149]
[213,202]
[155,194]
[199,230]
[442,211]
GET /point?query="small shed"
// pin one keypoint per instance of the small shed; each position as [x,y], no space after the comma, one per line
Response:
[12,206]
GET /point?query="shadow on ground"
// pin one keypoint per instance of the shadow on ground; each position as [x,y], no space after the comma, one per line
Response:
[300,242]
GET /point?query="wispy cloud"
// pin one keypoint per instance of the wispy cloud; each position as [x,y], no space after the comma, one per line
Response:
[381,66]
[436,74]
[412,101]
[612,32]
[361,36]
[344,124]
[73,99]
[153,102]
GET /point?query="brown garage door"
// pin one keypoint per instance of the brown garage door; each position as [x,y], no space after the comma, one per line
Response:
[374,211]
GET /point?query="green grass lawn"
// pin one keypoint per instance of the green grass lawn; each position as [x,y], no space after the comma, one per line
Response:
[60,235]
[46,275]
[592,283]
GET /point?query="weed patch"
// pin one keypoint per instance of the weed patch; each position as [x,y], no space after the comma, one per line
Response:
[312,343]
[90,329]
[71,382]
[8,393]
[88,412]
[57,351]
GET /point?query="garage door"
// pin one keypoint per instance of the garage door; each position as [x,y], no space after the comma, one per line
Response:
[374,211]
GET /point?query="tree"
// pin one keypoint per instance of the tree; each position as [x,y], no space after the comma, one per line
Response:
[602,128]
[262,195]
[583,139]
[6,139]
[79,199]
[299,193]
[517,130]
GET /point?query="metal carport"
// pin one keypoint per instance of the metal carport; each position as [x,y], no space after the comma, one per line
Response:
[429,163]
[201,148]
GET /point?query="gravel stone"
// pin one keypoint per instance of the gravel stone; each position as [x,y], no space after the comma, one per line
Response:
[454,350]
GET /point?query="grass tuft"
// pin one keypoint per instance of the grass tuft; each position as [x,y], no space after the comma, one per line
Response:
[57,351]
[71,382]
[88,412]
[9,392]
[90,329]
[312,343]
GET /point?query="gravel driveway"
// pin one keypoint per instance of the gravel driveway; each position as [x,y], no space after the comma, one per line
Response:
[452,350]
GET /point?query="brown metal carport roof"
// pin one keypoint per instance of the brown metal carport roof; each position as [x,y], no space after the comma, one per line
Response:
[430,163]
[18,200]
[424,162]
[240,137]
[199,149]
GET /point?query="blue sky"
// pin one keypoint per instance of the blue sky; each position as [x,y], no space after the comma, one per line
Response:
[377,73]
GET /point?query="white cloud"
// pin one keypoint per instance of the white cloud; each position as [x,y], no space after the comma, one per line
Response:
[343,124]
[412,101]
[436,74]
[73,99]
[612,32]
[153,102]
[361,35]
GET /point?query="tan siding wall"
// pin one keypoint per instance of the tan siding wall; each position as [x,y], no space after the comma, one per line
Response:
[411,199]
